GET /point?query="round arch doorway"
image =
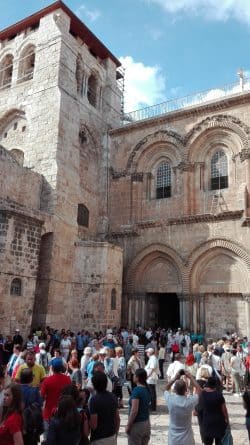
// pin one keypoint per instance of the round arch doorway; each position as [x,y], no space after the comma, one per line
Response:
[154,284]
[163,310]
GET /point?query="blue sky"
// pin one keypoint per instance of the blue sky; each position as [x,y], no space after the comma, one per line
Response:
[170,47]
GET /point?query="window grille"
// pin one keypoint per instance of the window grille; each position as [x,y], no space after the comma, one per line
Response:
[6,70]
[16,287]
[163,181]
[92,90]
[219,171]
[113,299]
[83,216]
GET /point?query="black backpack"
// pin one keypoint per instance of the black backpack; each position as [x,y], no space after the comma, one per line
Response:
[33,420]
[183,342]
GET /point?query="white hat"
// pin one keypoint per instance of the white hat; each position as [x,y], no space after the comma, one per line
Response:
[150,350]
[17,330]
[103,351]
[41,345]
[109,331]
[110,337]
[88,350]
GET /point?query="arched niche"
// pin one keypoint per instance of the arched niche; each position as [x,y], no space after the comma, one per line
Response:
[220,271]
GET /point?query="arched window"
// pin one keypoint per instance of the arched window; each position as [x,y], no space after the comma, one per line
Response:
[92,90]
[6,70]
[163,181]
[82,216]
[219,171]
[113,300]
[26,64]
[16,287]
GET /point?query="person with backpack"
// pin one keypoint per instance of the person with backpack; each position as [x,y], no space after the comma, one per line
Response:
[65,425]
[43,357]
[32,413]
[51,390]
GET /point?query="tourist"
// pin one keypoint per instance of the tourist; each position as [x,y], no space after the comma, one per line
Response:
[38,371]
[236,367]
[134,363]
[65,345]
[43,357]
[180,407]
[152,370]
[76,375]
[214,416]
[51,390]
[104,414]
[32,413]
[246,403]
[65,426]
[17,338]
[138,425]
[11,423]
[175,367]
[161,358]
[121,373]
[12,361]
[85,361]
[226,367]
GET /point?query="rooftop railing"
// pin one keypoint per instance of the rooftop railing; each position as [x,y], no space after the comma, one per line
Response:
[187,101]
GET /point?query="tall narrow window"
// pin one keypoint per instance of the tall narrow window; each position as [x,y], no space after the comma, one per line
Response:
[6,70]
[163,181]
[219,171]
[16,287]
[92,90]
[82,216]
[26,64]
[113,300]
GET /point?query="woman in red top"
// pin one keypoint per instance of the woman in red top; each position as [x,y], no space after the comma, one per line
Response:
[11,424]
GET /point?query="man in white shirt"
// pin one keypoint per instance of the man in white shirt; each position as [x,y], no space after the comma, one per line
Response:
[152,370]
[180,407]
[175,367]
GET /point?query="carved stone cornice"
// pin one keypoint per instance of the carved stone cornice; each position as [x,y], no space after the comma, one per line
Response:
[137,177]
[117,174]
[185,166]
[246,222]
[191,219]
[244,154]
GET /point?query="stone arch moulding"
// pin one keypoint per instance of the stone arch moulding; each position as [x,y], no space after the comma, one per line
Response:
[163,250]
[219,121]
[225,245]
[159,137]
[9,116]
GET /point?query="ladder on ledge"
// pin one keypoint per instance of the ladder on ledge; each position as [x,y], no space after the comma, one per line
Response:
[218,204]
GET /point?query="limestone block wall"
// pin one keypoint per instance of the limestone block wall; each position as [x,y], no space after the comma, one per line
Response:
[19,250]
[225,313]
[97,275]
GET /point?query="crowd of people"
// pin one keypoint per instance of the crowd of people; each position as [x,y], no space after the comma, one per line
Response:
[69,388]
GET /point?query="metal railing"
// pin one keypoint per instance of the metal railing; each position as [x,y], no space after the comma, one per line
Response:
[187,101]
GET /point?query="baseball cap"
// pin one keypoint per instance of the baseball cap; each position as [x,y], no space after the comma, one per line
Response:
[57,364]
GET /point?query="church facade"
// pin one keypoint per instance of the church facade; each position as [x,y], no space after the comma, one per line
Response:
[102,221]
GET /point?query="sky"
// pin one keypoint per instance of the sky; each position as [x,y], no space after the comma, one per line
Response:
[170,48]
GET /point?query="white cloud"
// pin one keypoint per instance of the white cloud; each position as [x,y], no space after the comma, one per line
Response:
[221,10]
[90,14]
[144,85]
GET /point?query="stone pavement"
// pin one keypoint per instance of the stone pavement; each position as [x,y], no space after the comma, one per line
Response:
[160,420]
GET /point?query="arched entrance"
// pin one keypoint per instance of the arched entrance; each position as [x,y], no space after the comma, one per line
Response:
[154,281]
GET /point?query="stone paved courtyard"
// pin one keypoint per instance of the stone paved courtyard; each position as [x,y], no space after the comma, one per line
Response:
[159,421]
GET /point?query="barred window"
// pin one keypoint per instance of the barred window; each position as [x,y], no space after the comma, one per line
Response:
[16,287]
[6,70]
[163,181]
[113,300]
[219,171]
[27,64]
[83,215]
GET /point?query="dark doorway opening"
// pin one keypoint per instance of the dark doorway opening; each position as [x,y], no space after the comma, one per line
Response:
[164,310]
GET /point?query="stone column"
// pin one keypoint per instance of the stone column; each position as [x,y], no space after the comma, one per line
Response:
[246,298]
[202,324]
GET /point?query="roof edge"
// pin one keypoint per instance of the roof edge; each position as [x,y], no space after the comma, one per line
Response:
[76,24]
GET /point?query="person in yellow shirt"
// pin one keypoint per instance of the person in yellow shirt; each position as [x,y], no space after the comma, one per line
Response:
[38,371]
